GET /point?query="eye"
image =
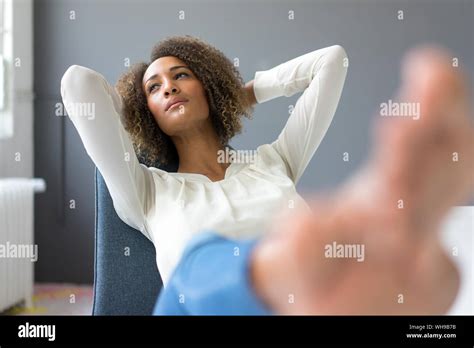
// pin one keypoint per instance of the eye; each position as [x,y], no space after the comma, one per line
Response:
[152,87]
[181,73]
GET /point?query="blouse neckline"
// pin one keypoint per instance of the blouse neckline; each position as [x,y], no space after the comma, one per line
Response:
[229,172]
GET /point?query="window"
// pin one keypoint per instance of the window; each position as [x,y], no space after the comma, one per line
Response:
[6,53]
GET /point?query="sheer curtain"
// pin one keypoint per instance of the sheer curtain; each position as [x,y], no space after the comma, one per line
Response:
[6,115]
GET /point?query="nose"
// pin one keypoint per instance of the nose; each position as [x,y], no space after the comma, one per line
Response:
[170,89]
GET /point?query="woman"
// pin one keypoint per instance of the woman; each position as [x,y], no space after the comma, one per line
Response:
[236,199]
[289,272]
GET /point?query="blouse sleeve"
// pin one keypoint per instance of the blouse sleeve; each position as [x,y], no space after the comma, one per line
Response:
[130,183]
[321,75]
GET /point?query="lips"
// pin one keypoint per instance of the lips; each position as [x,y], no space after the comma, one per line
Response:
[173,102]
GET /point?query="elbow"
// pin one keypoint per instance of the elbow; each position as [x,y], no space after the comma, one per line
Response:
[71,76]
[337,62]
[77,77]
[339,52]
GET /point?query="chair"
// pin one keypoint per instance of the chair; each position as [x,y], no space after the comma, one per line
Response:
[123,284]
[126,279]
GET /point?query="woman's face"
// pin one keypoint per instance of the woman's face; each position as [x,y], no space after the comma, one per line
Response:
[166,80]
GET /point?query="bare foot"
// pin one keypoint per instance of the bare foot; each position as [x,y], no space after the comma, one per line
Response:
[373,247]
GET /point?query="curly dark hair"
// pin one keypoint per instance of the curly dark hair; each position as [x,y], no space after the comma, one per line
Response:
[223,87]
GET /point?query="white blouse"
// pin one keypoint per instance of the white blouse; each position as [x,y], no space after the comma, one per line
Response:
[170,208]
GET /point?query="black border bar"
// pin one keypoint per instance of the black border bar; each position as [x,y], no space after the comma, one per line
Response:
[139,330]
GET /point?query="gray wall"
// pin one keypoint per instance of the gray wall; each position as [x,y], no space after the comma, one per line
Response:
[104,33]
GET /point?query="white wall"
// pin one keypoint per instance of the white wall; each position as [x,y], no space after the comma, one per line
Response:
[457,235]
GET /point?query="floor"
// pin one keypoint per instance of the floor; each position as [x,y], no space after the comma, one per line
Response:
[57,299]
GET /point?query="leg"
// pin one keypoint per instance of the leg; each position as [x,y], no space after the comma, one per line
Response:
[211,279]
[393,208]
[404,269]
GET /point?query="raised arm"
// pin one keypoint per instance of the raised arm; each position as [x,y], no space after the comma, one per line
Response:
[107,143]
[321,75]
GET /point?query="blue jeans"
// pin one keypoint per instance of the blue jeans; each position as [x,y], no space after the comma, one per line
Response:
[212,278]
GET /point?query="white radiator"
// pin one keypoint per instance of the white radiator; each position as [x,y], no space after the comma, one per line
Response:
[17,250]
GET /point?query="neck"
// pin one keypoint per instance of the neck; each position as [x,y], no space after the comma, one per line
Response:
[198,153]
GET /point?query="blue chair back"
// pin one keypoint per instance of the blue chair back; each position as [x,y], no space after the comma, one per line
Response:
[126,278]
